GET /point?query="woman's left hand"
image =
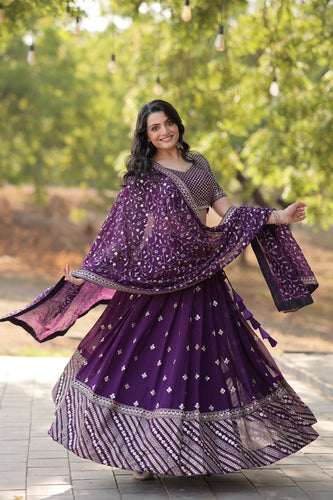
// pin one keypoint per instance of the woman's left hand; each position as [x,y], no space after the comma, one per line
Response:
[295,212]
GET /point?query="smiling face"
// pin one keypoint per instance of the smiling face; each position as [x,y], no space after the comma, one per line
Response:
[162,132]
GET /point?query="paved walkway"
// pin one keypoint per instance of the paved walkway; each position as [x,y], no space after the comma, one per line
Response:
[33,467]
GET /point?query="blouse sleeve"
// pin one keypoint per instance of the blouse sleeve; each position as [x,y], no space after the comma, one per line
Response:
[217,191]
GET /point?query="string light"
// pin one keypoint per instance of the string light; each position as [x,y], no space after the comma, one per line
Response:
[274,87]
[158,89]
[31,59]
[186,12]
[113,66]
[2,17]
[77,28]
[219,40]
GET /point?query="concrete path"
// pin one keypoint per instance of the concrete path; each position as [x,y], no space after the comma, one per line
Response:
[33,467]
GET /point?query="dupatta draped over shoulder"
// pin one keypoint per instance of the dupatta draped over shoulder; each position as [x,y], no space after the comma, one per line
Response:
[153,242]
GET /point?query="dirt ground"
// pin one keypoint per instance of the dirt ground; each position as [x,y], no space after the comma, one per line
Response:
[35,241]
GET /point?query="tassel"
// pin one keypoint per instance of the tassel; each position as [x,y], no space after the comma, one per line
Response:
[255,324]
[247,314]
[241,306]
[272,341]
[237,298]
[264,334]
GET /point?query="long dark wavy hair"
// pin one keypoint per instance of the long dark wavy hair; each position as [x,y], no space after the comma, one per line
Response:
[139,163]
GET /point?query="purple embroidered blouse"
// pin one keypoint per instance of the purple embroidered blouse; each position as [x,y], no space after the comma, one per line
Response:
[200,181]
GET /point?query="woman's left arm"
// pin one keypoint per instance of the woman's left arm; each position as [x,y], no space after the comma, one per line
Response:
[290,215]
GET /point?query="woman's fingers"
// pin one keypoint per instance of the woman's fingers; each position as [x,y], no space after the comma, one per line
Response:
[70,277]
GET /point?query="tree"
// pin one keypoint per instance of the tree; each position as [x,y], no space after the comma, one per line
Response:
[64,111]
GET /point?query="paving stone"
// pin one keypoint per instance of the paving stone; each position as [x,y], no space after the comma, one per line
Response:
[60,496]
[320,496]
[283,493]
[54,454]
[92,474]
[304,472]
[262,477]
[11,494]
[48,490]
[94,484]
[238,496]
[98,495]
[47,471]
[316,486]
[47,479]
[12,480]
[48,462]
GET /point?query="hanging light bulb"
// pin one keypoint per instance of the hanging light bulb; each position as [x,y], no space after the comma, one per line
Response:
[158,89]
[186,12]
[2,17]
[219,40]
[113,66]
[274,87]
[31,59]
[77,28]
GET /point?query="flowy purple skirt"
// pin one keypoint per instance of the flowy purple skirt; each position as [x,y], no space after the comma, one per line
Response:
[178,384]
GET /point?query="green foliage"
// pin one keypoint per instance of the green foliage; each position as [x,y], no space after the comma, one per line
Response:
[66,120]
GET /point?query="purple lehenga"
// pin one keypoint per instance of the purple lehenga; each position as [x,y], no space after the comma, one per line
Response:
[173,378]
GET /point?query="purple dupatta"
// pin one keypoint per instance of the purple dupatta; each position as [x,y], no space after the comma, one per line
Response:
[153,242]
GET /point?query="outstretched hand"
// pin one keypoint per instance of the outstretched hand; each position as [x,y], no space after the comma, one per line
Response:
[70,277]
[295,212]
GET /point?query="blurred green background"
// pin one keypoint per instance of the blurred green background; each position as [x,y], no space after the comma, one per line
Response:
[67,120]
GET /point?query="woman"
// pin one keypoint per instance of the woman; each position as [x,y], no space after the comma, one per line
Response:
[172,379]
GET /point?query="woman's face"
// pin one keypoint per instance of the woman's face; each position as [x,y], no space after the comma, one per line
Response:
[162,132]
